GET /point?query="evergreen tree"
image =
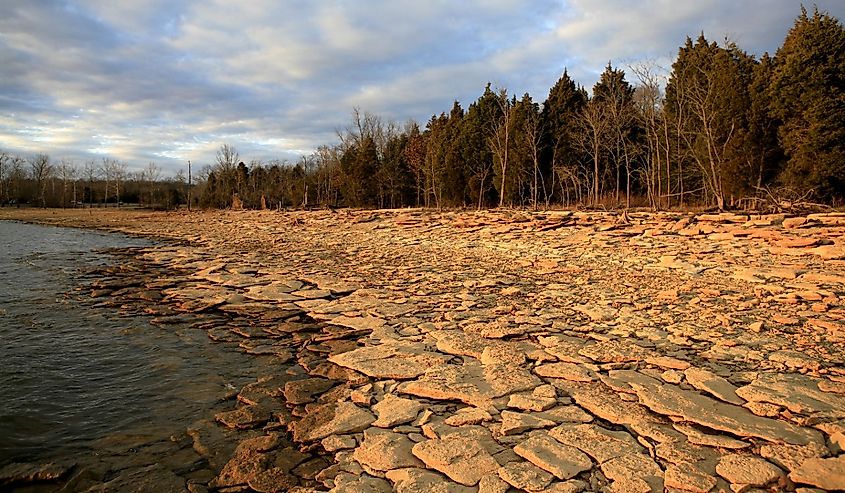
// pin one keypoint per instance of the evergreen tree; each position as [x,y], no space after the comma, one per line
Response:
[807,94]
[616,96]
[478,124]
[708,103]
[559,157]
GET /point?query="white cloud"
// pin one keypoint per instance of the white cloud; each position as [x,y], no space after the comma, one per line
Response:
[171,80]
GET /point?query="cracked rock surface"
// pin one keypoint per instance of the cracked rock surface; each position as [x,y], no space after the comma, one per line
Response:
[505,351]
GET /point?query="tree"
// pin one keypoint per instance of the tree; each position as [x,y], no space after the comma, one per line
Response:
[67,173]
[500,142]
[707,97]
[476,127]
[41,171]
[615,95]
[807,94]
[5,161]
[561,158]
[414,152]
[152,174]
[649,103]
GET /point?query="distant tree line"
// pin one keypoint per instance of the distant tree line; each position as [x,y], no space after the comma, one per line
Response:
[41,182]
[721,129]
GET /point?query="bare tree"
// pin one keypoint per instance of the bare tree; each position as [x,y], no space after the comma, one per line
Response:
[152,174]
[5,162]
[42,171]
[591,138]
[500,138]
[649,101]
[90,171]
[532,128]
[67,173]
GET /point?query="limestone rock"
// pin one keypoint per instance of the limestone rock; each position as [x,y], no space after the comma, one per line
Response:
[304,391]
[471,383]
[636,470]
[614,351]
[331,419]
[549,454]
[397,360]
[463,460]
[750,470]
[515,423]
[531,402]
[272,480]
[668,362]
[363,484]
[333,443]
[599,443]
[691,406]
[244,417]
[713,384]
[686,477]
[468,416]
[791,457]
[699,437]
[415,480]
[828,474]
[19,473]
[393,410]
[567,371]
[383,450]
[525,476]
[798,393]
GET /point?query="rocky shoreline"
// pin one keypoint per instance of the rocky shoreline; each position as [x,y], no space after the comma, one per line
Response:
[500,351]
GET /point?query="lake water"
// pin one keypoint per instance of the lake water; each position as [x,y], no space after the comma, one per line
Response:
[73,376]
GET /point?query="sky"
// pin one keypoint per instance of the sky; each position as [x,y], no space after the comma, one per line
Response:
[168,81]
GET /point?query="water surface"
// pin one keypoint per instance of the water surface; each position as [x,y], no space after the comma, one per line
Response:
[72,375]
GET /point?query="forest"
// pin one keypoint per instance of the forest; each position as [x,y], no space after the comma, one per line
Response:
[719,129]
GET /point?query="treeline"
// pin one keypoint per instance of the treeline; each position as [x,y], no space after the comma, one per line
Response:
[38,181]
[720,129]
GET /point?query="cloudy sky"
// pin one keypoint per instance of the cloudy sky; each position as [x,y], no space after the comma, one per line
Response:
[172,80]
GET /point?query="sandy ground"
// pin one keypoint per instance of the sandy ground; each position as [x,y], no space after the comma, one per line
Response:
[513,351]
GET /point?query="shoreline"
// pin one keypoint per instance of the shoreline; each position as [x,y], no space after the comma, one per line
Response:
[481,351]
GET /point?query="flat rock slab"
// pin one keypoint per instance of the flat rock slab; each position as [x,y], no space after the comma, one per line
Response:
[599,443]
[393,410]
[614,351]
[471,383]
[687,477]
[514,423]
[304,391]
[828,474]
[671,400]
[397,360]
[20,473]
[637,472]
[414,480]
[525,476]
[563,461]
[566,371]
[798,393]
[463,460]
[709,382]
[746,469]
[384,450]
[698,437]
[331,419]
[359,323]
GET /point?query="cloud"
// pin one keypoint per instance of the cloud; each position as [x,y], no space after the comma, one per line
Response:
[171,80]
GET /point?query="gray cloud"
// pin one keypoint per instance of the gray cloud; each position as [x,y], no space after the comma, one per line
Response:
[168,81]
